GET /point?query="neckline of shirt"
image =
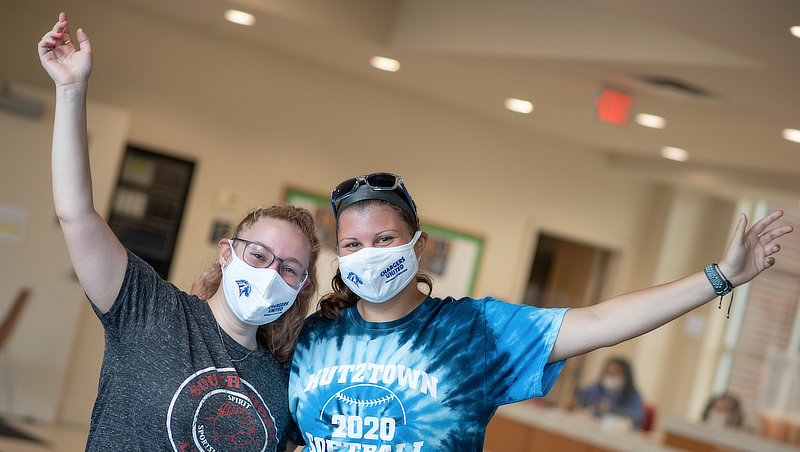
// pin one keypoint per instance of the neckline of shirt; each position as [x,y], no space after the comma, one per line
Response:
[358,320]
[229,344]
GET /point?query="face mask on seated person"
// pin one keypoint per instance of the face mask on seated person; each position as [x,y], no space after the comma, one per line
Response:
[256,296]
[612,384]
[378,274]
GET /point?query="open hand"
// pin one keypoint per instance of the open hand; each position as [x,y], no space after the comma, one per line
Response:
[751,252]
[61,58]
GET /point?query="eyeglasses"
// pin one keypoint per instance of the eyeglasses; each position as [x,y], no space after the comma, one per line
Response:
[375,181]
[259,256]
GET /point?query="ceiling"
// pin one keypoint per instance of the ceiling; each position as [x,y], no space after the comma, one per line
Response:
[737,57]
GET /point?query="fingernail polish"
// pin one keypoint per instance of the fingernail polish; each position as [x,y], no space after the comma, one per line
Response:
[59,31]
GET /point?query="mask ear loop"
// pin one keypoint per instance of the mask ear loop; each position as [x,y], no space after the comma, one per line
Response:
[224,264]
[417,235]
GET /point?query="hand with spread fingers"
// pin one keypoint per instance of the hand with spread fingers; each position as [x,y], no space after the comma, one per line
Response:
[751,252]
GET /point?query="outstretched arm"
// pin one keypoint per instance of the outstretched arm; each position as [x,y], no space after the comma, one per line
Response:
[630,315]
[97,255]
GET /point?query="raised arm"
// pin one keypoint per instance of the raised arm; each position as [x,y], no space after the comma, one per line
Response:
[99,258]
[630,315]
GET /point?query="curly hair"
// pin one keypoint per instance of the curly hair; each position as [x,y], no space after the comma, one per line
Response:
[332,304]
[280,336]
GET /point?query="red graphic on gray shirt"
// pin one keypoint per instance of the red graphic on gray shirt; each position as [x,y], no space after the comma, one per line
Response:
[216,411]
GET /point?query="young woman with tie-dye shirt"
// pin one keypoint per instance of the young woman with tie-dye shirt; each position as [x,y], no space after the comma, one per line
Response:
[384,367]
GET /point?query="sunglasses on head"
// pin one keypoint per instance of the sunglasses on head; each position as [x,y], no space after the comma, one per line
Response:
[376,182]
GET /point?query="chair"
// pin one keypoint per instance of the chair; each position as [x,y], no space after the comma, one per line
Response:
[6,328]
[649,417]
[13,315]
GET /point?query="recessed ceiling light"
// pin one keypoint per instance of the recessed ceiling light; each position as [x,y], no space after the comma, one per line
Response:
[240,17]
[384,64]
[795,30]
[677,154]
[653,121]
[518,105]
[792,135]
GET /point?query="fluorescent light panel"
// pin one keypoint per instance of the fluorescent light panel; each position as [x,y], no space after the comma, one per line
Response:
[652,121]
[795,30]
[677,154]
[518,105]
[240,17]
[384,64]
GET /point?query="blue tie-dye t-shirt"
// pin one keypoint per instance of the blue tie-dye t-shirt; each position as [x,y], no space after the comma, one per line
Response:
[430,381]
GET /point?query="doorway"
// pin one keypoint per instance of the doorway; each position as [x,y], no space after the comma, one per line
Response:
[566,273]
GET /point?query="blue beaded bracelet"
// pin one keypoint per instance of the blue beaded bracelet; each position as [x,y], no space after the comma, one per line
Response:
[720,284]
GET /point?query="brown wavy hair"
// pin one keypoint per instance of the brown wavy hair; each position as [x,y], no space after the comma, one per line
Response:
[332,305]
[280,336]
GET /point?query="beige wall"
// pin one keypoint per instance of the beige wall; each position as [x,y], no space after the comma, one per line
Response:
[314,128]
[667,358]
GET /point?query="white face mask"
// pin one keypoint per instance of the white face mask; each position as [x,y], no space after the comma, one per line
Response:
[612,384]
[378,274]
[256,296]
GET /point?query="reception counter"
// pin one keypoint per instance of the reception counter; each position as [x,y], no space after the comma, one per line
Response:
[695,437]
[524,427]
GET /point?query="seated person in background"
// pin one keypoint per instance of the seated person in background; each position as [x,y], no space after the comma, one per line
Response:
[723,411]
[614,393]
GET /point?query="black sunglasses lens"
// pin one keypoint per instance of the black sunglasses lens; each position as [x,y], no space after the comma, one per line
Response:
[343,189]
[382,180]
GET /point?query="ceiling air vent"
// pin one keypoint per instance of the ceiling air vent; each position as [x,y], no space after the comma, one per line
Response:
[674,88]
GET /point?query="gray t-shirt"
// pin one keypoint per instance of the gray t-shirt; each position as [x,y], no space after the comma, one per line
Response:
[169,384]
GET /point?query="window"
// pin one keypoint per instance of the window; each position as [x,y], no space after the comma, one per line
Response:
[763,336]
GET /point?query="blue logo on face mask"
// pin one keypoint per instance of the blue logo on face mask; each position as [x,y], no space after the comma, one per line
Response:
[355,279]
[244,287]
